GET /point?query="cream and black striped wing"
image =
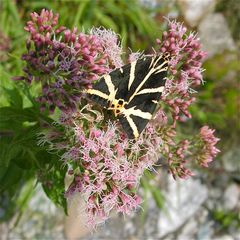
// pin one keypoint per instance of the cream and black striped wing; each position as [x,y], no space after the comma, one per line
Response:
[133,92]
[106,88]
[145,86]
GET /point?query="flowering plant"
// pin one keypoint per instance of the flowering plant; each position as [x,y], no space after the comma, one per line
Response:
[102,163]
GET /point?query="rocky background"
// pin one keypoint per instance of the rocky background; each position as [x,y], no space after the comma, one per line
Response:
[206,206]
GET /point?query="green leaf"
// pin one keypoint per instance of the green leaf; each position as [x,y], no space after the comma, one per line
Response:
[8,151]
[81,8]
[12,177]
[155,191]
[22,115]
[105,20]
[53,185]
[14,97]
[25,160]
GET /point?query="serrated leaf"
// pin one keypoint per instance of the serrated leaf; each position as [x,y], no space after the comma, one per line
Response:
[14,97]
[23,115]
[8,152]
[54,187]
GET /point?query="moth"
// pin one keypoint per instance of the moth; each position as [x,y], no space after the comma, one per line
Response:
[132,92]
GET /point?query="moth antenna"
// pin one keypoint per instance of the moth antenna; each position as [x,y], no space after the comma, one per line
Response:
[155,52]
[84,91]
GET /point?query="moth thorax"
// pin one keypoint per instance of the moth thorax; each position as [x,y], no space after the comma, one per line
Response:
[117,106]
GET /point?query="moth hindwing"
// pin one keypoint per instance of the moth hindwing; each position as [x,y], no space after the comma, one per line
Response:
[132,92]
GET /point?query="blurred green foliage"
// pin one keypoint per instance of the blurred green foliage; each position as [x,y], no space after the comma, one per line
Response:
[20,119]
[226,219]
[126,17]
[218,100]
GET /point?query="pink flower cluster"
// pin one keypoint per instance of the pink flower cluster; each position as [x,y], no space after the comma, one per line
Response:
[207,149]
[184,68]
[43,26]
[64,61]
[177,160]
[106,166]
[112,47]
[108,177]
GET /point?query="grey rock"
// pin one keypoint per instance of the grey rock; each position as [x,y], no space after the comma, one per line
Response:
[195,10]
[205,231]
[205,226]
[214,200]
[189,230]
[231,197]
[183,217]
[183,200]
[224,237]
[231,159]
[41,220]
[236,235]
[215,35]
[4,231]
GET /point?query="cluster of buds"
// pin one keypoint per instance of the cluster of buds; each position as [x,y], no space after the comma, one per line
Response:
[207,150]
[64,61]
[176,157]
[185,69]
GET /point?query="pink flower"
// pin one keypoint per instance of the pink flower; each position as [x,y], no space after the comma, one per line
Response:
[111,45]
[63,60]
[207,148]
[185,69]
[108,173]
[177,157]
[160,119]
[134,56]
[106,166]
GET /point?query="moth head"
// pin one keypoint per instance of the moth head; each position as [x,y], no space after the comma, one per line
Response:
[166,57]
[117,106]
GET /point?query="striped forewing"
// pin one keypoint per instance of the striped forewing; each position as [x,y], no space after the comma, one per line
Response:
[140,85]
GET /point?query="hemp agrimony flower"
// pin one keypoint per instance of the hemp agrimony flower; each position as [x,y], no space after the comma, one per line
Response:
[104,165]
[64,61]
[185,69]
[207,149]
